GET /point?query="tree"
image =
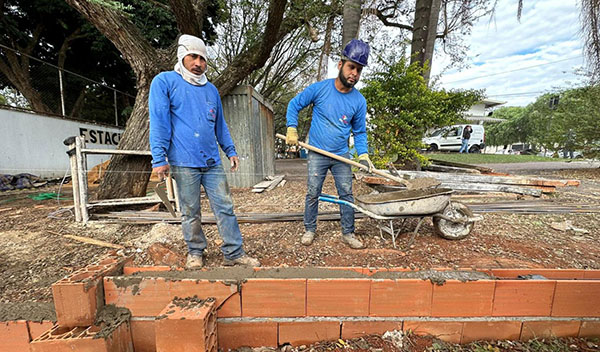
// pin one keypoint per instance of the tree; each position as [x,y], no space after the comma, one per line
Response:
[514,129]
[401,108]
[128,176]
[30,29]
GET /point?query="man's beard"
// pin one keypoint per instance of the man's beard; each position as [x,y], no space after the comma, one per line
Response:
[344,81]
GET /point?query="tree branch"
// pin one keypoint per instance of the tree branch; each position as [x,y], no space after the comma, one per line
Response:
[189,15]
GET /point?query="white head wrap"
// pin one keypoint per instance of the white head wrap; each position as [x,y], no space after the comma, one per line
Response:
[189,44]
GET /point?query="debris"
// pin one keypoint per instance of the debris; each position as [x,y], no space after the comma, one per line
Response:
[396,337]
[566,226]
[267,185]
[161,254]
[91,241]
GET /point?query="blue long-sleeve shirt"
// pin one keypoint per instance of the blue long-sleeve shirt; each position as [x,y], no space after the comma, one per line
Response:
[335,115]
[186,123]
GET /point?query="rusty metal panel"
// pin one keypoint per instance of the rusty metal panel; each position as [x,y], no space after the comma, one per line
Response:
[250,121]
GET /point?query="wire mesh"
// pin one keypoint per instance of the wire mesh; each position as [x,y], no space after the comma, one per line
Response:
[45,88]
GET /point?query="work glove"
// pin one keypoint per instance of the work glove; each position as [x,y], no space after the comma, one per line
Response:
[291,136]
[363,159]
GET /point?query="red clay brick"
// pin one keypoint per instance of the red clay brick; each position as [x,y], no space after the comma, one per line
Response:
[307,332]
[523,298]
[36,328]
[355,328]
[448,331]
[78,296]
[61,338]
[142,335]
[490,330]
[591,274]
[274,298]
[568,274]
[146,297]
[590,329]
[546,329]
[186,328]
[576,299]
[233,335]
[14,336]
[397,298]
[462,299]
[337,297]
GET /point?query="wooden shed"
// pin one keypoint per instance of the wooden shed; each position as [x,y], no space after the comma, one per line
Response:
[250,120]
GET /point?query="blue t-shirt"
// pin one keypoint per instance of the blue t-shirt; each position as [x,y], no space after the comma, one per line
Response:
[186,123]
[335,115]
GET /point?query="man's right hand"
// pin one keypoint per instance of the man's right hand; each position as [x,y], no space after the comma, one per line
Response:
[162,171]
[291,136]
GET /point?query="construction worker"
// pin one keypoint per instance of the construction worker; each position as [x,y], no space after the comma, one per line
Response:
[186,122]
[338,109]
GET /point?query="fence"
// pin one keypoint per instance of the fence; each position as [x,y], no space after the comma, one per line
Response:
[46,88]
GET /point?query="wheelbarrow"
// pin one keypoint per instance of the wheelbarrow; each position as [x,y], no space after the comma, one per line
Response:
[452,220]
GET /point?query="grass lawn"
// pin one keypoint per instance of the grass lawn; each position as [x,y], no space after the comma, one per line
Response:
[473,158]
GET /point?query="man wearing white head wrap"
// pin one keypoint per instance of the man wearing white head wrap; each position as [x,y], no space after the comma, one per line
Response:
[186,129]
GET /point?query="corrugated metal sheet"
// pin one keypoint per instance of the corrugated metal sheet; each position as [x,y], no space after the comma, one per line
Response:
[250,121]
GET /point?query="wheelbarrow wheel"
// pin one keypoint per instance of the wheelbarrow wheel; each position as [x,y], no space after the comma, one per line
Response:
[454,230]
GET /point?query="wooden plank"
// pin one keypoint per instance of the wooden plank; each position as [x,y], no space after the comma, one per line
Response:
[116,151]
[462,165]
[491,187]
[509,180]
[276,180]
[82,177]
[93,241]
[450,169]
[263,184]
[75,180]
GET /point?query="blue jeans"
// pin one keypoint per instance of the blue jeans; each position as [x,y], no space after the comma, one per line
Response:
[216,188]
[465,146]
[318,165]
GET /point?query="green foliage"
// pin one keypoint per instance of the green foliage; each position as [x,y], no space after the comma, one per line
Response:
[514,129]
[401,108]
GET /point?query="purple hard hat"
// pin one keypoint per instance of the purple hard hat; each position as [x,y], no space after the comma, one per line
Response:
[358,51]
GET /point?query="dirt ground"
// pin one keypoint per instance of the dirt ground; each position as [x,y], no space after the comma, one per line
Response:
[34,251]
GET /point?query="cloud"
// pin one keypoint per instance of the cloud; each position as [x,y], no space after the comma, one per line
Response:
[516,62]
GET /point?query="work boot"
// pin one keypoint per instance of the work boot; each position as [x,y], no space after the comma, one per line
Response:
[244,260]
[352,241]
[194,262]
[308,238]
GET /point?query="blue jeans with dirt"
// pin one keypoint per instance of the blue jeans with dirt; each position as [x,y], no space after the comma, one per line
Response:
[318,165]
[465,146]
[189,182]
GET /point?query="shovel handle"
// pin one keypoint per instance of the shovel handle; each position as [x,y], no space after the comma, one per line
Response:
[351,162]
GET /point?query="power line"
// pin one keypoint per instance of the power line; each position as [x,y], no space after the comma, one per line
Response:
[518,69]
[64,70]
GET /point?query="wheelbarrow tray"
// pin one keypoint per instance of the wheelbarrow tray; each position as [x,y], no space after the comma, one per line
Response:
[411,202]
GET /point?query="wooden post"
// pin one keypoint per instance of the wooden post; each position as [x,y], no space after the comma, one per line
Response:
[70,142]
[82,176]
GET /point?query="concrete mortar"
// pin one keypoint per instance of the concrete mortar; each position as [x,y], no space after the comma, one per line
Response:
[238,274]
[32,311]
[109,318]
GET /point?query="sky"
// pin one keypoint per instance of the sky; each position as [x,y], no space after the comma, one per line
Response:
[543,51]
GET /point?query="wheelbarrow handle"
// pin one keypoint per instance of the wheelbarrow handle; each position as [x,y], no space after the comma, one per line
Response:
[381,173]
[333,199]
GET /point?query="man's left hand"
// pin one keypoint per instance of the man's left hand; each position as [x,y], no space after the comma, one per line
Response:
[363,159]
[235,162]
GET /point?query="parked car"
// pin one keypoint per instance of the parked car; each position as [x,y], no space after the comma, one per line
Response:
[449,138]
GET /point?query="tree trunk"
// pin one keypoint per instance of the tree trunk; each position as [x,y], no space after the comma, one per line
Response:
[425,31]
[324,57]
[127,176]
[351,21]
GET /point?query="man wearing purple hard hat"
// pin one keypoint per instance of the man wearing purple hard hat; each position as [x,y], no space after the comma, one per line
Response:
[338,110]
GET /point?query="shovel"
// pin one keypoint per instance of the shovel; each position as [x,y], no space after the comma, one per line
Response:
[420,183]
[159,189]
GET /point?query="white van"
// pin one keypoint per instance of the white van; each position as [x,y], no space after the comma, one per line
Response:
[449,138]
